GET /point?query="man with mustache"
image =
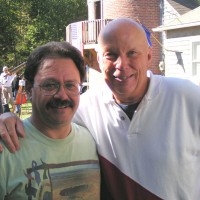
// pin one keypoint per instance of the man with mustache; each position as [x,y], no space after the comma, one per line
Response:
[147,128]
[57,158]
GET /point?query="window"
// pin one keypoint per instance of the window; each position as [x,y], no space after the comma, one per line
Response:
[196,59]
[98,10]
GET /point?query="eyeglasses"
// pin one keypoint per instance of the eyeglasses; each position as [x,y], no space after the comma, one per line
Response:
[52,88]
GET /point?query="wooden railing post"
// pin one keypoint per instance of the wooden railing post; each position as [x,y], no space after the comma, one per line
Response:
[88,30]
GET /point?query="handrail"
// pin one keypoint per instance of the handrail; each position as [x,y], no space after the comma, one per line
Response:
[85,32]
[17,68]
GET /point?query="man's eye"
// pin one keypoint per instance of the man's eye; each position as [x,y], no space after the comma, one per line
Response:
[49,86]
[131,53]
[110,56]
[70,86]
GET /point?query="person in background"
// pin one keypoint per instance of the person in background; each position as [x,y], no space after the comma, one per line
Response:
[147,128]
[1,108]
[58,158]
[15,88]
[6,79]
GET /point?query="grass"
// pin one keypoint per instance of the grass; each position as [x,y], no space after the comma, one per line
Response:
[26,110]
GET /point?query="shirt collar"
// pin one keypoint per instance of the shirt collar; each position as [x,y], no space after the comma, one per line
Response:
[152,92]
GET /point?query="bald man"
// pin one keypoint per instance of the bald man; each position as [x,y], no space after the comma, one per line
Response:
[147,128]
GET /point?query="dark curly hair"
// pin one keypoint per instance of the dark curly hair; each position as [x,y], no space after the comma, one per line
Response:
[53,50]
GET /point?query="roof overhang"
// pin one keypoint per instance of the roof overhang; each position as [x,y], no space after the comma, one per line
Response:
[176,26]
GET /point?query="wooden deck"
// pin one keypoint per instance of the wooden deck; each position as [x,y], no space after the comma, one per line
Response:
[84,34]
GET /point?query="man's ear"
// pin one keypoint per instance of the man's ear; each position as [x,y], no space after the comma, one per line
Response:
[29,94]
[29,89]
[150,55]
[98,59]
[99,62]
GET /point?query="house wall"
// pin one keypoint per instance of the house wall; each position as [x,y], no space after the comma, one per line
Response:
[148,12]
[180,40]
[168,14]
[91,9]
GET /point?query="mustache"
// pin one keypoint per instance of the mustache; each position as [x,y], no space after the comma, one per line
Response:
[59,103]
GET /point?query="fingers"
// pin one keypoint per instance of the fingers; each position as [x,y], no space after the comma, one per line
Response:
[9,124]
[1,148]
[20,128]
[7,140]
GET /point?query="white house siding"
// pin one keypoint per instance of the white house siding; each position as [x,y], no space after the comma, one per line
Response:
[91,9]
[73,36]
[171,66]
[184,45]
[168,15]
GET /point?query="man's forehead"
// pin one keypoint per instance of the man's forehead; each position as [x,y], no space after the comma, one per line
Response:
[123,42]
[53,62]
[119,45]
[54,68]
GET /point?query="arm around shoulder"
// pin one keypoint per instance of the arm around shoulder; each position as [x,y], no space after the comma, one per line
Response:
[11,127]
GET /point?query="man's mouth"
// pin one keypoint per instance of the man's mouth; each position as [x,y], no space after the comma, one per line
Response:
[59,107]
[123,78]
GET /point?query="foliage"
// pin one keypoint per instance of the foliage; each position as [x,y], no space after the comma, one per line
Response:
[26,24]
[198,1]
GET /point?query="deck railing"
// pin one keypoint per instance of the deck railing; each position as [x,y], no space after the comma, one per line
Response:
[85,32]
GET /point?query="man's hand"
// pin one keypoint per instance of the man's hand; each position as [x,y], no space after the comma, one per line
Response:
[10,128]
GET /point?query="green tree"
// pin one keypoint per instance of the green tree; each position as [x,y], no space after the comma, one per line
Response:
[51,17]
[26,24]
[9,34]
[198,1]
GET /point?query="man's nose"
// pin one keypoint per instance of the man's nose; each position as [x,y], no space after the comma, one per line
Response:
[61,93]
[121,63]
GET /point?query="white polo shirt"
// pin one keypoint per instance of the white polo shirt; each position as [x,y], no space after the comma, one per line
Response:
[154,156]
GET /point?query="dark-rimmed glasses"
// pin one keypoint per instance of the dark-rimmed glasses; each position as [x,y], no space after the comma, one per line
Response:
[51,88]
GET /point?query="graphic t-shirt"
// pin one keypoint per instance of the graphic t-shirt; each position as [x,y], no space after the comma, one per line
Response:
[46,168]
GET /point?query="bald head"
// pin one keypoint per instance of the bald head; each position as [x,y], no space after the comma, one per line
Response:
[124,27]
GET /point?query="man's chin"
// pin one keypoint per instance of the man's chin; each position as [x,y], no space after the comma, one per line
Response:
[123,90]
[61,120]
